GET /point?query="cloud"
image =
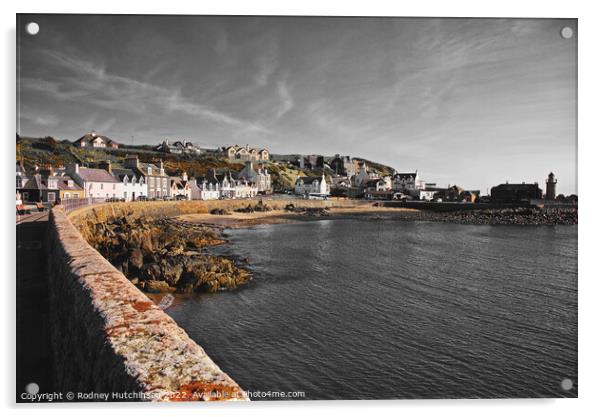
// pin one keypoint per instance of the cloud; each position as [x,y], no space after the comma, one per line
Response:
[286,99]
[267,61]
[115,92]
[43,120]
[221,41]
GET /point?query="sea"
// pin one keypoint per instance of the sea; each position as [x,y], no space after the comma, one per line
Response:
[388,309]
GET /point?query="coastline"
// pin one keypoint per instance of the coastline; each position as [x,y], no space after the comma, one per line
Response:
[239,220]
[520,216]
[166,255]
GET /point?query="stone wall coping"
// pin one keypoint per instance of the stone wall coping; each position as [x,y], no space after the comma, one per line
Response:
[158,354]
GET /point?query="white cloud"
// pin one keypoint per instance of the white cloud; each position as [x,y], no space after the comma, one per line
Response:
[116,92]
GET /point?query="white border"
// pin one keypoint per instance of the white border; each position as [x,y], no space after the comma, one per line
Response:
[589,153]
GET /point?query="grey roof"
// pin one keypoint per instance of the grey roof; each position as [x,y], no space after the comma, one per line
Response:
[96,175]
[63,183]
[309,180]
[123,172]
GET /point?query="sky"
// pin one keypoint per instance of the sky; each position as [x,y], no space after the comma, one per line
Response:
[472,102]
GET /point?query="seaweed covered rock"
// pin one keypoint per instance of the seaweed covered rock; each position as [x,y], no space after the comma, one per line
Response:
[165,255]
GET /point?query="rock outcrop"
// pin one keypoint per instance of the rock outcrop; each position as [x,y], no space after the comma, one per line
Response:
[164,255]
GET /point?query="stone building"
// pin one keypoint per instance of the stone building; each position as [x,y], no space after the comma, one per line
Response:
[515,193]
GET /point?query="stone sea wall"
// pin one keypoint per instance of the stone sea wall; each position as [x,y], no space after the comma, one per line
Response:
[108,337]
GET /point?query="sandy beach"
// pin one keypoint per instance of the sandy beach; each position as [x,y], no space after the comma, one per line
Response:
[238,219]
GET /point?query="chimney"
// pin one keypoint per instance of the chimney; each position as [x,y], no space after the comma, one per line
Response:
[107,166]
[184,176]
[161,167]
[131,161]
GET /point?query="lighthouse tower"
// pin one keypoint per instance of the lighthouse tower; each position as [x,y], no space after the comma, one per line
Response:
[551,187]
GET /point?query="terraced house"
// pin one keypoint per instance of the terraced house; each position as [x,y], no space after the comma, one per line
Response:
[134,185]
[96,182]
[157,182]
[245,153]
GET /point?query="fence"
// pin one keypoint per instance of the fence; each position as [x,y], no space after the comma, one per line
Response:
[70,204]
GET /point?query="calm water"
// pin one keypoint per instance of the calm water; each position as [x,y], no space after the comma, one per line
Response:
[355,309]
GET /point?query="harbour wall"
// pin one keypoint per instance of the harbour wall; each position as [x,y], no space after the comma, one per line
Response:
[106,335]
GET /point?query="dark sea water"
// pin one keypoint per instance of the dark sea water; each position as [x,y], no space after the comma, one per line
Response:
[354,309]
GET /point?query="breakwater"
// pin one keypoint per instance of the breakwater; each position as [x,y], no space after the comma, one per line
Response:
[108,337]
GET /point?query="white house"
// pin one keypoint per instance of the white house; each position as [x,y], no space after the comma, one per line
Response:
[134,185]
[260,177]
[363,175]
[96,183]
[244,189]
[312,186]
[94,140]
[207,190]
[407,181]
[180,187]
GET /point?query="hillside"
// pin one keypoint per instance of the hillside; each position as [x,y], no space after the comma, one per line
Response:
[49,151]
[46,151]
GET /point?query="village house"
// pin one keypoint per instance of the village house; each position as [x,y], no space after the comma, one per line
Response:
[134,185]
[231,187]
[240,153]
[180,188]
[208,189]
[226,183]
[178,147]
[157,182]
[94,140]
[38,189]
[364,175]
[245,189]
[96,182]
[342,165]
[408,181]
[379,189]
[260,177]
[69,189]
[312,187]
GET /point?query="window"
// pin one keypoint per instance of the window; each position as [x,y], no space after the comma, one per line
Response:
[51,197]
[25,196]
[114,188]
[101,185]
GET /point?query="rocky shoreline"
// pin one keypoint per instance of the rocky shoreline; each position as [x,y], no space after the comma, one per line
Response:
[166,255]
[508,216]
